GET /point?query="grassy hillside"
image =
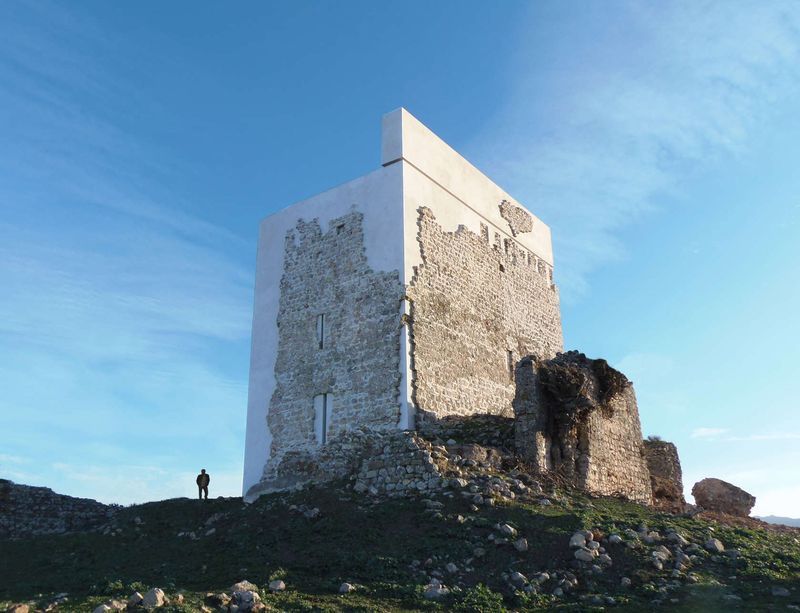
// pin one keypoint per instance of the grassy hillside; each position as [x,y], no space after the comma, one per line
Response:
[390,550]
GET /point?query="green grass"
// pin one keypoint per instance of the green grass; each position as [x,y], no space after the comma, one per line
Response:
[373,546]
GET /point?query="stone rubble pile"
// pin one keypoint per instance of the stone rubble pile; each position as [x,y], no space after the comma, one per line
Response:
[27,511]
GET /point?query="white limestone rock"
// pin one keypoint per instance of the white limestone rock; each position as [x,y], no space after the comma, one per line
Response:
[577,540]
[154,598]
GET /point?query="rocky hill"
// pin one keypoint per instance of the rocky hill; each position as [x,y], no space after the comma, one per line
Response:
[785,521]
[494,540]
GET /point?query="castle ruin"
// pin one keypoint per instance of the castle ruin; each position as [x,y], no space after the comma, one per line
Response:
[411,295]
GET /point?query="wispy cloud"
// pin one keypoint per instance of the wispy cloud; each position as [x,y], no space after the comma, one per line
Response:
[125,314]
[708,432]
[722,434]
[598,124]
[779,436]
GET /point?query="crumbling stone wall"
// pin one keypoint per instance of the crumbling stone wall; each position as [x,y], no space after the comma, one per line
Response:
[666,477]
[359,363]
[577,418]
[407,464]
[473,300]
[519,220]
[27,511]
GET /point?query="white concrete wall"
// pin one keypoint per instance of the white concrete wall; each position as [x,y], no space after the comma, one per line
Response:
[378,196]
[436,176]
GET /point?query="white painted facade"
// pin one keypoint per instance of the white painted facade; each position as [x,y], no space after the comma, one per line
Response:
[418,169]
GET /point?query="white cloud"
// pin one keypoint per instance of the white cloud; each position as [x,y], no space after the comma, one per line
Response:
[711,433]
[12,459]
[627,103]
[125,314]
[779,436]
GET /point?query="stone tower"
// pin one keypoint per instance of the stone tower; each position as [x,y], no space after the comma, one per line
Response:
[408,294]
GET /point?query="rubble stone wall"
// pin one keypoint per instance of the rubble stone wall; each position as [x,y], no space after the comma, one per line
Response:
[359,363]
[519,220]
[577,419]
[663,461]
[616,462]
[27,511]
[474,299]
[666,477]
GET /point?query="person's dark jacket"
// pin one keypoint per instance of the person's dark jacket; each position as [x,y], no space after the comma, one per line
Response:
[203,479]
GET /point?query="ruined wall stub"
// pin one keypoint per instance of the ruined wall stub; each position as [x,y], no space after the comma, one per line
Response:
[577,418]
[666,476]
[359,363]
[477,306]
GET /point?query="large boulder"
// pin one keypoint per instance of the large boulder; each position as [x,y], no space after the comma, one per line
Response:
[723,497]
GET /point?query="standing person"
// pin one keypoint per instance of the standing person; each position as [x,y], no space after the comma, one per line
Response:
[203,479]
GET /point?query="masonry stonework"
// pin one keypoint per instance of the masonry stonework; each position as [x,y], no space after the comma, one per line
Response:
[666,477]
[427,307]
[477,308]
[577,419]
[519,220]
[356,359]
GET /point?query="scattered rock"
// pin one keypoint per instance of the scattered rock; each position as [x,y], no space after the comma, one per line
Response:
[135,599]
[615,539]
[521,544]
[723,497]
[585,555]
[277,586]
[518,579]
[625,582]
[217,600]
[674,537]
[507,530]
[154,598]
[18,608]
[435,590]
[246,600]
[346,588]
[714,545]
[243,586]
[451,568]
[577,540]
[780,591]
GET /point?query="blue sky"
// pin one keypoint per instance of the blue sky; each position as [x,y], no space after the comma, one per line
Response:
[140,143]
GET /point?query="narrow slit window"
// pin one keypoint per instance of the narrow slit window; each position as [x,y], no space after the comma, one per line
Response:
[321,331]
[510,364]
[323,403]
